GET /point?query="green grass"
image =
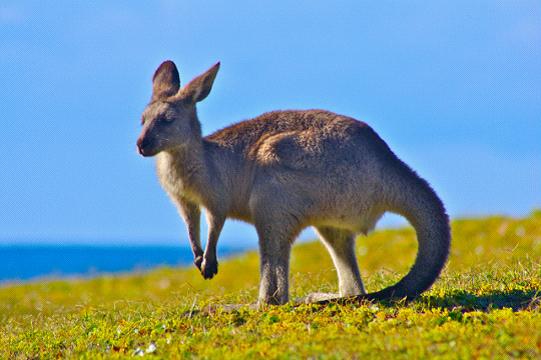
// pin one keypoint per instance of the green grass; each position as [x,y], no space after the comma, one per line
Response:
[486,305]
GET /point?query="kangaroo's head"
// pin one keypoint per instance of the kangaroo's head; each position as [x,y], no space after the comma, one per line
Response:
[170,119]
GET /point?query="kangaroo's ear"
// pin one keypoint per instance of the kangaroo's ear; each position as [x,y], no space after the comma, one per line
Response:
[200,87]
[165,81]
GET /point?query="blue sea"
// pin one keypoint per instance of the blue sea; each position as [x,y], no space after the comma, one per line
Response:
[30,262]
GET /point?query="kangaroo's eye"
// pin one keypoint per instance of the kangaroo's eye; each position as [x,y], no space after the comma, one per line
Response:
[166,119]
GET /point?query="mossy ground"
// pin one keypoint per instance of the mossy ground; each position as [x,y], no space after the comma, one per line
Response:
[487,304]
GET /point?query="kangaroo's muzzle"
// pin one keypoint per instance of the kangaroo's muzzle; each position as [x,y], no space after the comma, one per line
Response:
[143,147]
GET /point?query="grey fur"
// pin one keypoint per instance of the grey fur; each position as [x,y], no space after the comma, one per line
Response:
[283,171]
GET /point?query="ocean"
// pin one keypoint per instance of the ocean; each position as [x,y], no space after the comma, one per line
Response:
[30,262]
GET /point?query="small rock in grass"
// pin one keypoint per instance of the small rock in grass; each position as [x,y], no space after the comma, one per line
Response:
[151,348]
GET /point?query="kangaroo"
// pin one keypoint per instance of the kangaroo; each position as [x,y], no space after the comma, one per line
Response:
[283,171]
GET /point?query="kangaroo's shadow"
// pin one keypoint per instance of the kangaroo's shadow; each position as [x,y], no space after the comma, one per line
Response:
[515,299]
[463,300]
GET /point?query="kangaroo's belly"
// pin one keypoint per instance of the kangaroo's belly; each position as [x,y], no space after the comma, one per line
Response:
[355,225]
[242,215]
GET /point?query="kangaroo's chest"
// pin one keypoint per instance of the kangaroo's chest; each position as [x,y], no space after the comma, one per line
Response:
[176,182]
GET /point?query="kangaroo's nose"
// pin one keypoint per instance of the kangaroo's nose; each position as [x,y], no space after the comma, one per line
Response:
[141,144]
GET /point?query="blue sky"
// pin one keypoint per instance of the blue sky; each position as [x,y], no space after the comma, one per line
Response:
[453,87]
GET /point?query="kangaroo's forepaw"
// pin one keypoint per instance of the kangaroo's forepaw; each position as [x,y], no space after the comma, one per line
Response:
[198,260]
[209,268]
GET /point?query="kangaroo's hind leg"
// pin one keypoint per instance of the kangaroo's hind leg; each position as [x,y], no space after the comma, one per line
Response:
[275,239]
[341,246]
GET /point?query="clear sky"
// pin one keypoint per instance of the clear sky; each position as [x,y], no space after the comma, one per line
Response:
[454,88]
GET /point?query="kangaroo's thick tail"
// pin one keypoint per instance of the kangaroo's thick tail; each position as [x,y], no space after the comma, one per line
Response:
[412,197]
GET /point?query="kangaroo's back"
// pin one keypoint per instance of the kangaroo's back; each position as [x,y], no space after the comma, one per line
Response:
[301,138]
[245,134]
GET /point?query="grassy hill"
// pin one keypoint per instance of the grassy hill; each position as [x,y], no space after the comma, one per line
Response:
[486,304]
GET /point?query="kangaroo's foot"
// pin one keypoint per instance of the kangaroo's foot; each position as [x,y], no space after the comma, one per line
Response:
[316,297]
[209,268]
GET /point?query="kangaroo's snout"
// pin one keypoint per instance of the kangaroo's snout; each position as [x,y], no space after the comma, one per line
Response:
[143,145]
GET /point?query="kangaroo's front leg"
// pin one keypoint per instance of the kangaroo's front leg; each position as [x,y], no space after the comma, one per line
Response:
[209,267]
[191,213]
